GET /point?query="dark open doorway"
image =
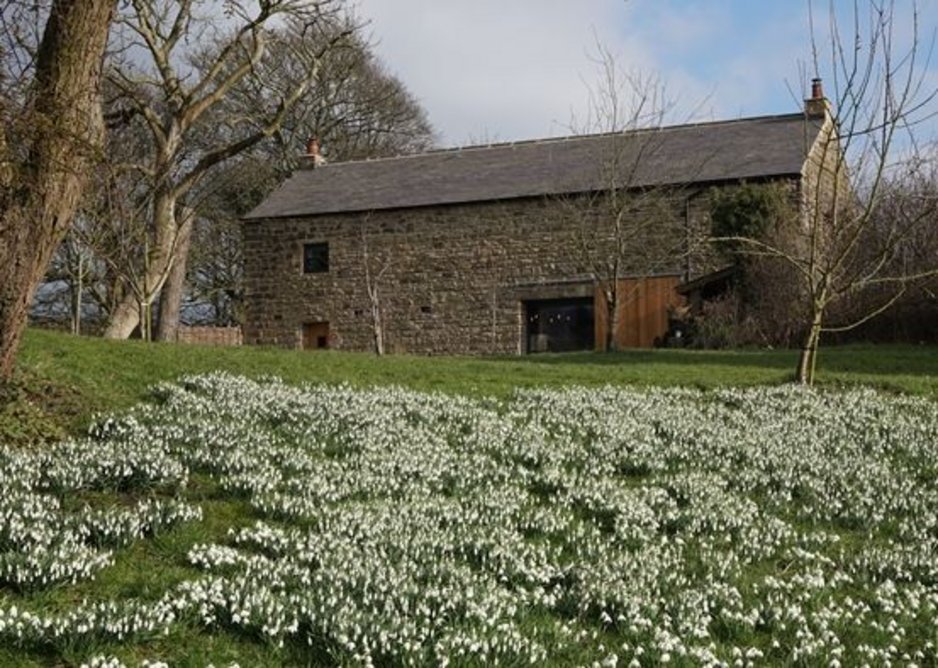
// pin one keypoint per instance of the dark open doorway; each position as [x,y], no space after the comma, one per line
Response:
[559,325]
[315,335]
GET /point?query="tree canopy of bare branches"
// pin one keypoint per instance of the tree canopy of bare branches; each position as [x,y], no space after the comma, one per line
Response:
[174,65]
[353,105]
[852,230]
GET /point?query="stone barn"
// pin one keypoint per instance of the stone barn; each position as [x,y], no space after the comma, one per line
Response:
[499,249]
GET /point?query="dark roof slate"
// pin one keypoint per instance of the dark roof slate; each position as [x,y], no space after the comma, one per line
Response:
[707,152]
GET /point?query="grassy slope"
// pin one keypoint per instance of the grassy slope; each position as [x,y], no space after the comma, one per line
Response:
[66,379]
[70,378]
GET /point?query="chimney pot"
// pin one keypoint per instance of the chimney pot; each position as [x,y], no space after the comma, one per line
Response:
[817,105]
[817,89]
[312,152]
[312,146]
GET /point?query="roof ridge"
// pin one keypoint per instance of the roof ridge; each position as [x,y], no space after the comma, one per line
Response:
[567,138]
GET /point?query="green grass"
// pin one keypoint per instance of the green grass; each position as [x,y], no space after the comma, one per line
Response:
[63,380]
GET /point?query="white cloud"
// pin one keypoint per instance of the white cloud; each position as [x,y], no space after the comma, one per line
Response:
[516,69]
[503,69]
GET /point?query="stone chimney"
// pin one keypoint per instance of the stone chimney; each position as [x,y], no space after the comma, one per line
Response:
[817,105]
[313,156]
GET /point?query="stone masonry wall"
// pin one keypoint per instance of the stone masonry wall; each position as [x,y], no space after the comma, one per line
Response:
[210,336]
[450,279]
[825,187]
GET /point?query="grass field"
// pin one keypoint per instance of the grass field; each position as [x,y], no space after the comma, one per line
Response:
[66,379]
[357,522]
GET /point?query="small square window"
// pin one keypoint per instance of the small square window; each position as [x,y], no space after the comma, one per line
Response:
[315,258]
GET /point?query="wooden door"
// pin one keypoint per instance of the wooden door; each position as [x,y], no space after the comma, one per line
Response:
[643,311]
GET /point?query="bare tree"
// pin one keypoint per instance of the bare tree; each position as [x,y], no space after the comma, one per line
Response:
[47,143]
[355,107]
[117,226]
[622,225]
[359,111]
[62,292]
[374,266]
[491,262]
[912,316]
[215,291]
[175,96]
[867,146]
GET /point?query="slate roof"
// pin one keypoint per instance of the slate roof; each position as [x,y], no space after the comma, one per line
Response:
[749,148]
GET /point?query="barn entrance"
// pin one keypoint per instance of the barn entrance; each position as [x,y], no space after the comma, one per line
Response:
[559,325]
[315,335]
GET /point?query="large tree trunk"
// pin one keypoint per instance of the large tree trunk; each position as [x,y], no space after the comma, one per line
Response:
[611,299]
[126,316]
[807,360]
[612,338]
[39,195]
[167,328]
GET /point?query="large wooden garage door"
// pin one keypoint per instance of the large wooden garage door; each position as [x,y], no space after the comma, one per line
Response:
[643,311]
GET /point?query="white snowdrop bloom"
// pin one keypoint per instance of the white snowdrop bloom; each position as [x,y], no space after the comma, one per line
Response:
[406,528]
[105,662]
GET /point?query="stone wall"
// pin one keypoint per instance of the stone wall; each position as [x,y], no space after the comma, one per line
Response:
[825,182]
[452,279]
[210,336]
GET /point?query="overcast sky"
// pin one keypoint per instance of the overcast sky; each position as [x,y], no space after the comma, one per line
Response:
[501,70]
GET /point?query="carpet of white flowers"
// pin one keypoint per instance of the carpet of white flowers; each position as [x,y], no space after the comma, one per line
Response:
[605,527]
